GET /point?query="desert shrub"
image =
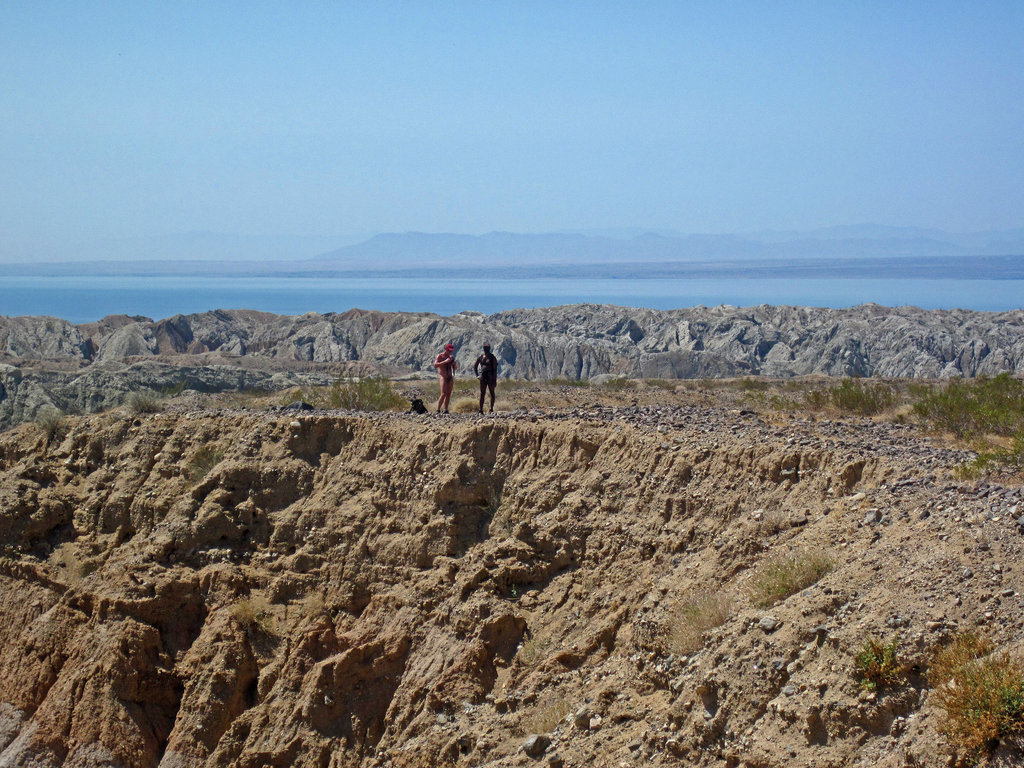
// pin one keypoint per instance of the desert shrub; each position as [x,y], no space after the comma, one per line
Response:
[972,407]
[370,393]
[771,522]
[980,692]
[51,423]
[619,383]
[466,405]
[546,714]
[666,384]
[751,384]
[877,664]
[313,606]
[143,402]
[693,618]
[534,649]
[562,381]
[202,463]
[853,396]
[254,613]
[779,577]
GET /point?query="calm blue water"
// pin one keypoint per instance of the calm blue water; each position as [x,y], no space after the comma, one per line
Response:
[84,299]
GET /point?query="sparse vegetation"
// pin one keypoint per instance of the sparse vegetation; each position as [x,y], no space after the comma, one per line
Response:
[51,423]
[989,410]
[546,714]
[779,577]
[254,613]
[534,649]
[877,665]
[981,693]
[693,618]
[466,405]
[854,396]
[202,463]
[771,522]
[370,393]
[143,402]
[974,407]
[619,383]
[566,382]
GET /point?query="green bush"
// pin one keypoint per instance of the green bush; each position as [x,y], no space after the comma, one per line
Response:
[981,693]
[565,382]
[878,664]
[982,406]
[370,393]
[853,396]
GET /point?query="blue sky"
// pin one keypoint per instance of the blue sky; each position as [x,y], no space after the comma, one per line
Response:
[123,120]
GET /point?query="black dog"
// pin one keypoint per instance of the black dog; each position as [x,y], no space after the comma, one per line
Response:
[417,405]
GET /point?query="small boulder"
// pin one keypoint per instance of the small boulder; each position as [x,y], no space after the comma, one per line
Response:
[769,623]
[536,745]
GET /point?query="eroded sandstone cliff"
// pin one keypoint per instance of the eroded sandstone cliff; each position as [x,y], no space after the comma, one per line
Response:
[216,588]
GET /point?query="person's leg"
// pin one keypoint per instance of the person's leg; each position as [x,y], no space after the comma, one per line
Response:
[449,385]
[440,399]
[490,386]
[483,389]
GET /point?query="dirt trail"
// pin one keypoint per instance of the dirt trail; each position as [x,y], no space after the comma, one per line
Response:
[214,588]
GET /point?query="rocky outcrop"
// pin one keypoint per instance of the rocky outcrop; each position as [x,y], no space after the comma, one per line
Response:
[257,589]
[28,392]
[577,341]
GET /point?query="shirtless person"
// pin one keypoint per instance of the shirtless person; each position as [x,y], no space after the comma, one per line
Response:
[487,373]
[446,365]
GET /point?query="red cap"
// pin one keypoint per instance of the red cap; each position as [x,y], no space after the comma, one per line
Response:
[449,347]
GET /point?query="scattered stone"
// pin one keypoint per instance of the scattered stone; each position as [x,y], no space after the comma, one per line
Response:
[536,745]
[873,516]
[769,623]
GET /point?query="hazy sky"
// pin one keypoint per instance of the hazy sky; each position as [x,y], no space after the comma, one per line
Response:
[151,118]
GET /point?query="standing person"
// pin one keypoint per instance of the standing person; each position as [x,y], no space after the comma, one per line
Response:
[446,366]
[487,373]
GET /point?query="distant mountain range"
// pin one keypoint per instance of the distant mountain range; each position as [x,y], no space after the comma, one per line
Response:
[844,251]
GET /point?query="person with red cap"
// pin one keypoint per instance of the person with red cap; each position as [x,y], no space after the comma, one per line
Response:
[446,366]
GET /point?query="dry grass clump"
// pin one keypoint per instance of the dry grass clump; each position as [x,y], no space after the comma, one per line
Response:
[982,694]
[546,714]
[51,423]
[693,618]
[779,577]
[534,649]
[202,463]
[877,665]
[143,402]
[254,613]
[466,405]
[370,393]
